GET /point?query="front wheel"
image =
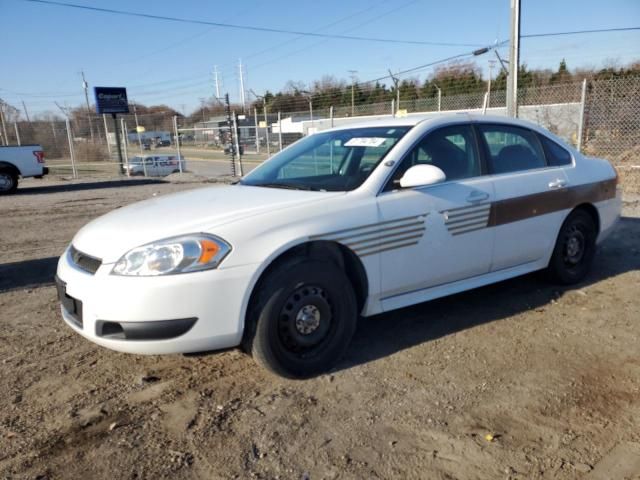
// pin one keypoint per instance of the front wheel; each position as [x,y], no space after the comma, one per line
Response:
[574,250]
[8,181]
[302,320]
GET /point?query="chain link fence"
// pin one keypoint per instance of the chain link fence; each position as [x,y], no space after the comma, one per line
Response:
[605,123]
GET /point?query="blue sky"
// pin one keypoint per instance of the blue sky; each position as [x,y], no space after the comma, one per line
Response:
[45,47]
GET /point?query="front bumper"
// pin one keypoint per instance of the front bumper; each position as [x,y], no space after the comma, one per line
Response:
[155,315]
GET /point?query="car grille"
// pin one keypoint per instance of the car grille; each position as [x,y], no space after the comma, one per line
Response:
[83,261]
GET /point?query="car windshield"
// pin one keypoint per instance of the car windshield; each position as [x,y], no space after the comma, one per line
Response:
[330,161]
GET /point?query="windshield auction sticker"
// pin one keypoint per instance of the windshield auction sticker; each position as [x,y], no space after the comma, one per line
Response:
[365,142]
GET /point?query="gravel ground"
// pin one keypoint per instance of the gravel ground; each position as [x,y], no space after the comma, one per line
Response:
[517,380]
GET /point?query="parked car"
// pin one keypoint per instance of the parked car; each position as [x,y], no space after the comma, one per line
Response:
[154,165]
[20,162]
[162,143]
[345,223]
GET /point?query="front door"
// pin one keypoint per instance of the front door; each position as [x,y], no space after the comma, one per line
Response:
[437,234]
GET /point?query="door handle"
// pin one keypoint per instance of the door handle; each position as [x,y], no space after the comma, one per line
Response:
[558,183]
[477,196]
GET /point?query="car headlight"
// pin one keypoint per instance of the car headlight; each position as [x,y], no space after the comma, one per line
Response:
[188,253]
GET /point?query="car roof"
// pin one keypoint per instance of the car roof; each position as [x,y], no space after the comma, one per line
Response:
[435,119]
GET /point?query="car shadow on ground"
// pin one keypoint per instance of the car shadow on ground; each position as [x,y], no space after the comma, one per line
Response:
[75,187]
[28,274]
[383,335]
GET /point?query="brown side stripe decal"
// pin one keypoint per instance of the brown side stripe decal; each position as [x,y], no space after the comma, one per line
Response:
[406,231]
[521,208]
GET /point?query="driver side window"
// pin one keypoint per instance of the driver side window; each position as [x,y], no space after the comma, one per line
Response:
[451,149]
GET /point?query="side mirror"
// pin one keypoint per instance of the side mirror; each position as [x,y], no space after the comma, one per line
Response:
[421,175]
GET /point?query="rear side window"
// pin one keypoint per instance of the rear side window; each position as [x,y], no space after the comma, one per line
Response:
[556,155]
[512,149]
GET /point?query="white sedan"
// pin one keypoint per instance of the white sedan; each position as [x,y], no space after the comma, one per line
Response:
[343,224]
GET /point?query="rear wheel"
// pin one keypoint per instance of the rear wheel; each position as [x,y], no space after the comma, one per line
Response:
[8,181]
[575,248]
[302,319]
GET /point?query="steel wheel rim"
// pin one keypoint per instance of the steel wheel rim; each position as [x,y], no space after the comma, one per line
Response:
[6,181]
[306,320]
[574,247]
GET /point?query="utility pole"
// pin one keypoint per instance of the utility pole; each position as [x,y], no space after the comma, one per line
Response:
[353,80]
[26,112]
[85,86]
[215,79]
[396,81]
[514,60]
[242,99]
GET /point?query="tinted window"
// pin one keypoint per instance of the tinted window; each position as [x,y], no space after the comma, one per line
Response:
[512,149]
[451,149]
[556,155]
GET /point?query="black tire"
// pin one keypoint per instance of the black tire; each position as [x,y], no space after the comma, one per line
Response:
[574,250]
[302,319]
[8,181]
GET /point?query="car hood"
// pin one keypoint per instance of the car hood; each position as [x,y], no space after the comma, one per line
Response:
[112,235]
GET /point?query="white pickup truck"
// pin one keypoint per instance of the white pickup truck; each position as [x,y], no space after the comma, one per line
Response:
[20,161]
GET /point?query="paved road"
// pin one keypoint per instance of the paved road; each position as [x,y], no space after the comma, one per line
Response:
[214,168]
[210,163]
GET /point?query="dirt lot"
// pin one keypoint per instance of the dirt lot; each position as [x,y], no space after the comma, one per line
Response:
[516,380]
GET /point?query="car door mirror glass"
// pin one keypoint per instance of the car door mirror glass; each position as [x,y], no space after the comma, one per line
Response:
[422,175]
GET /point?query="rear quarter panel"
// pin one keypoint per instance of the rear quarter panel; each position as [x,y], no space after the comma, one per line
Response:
[607,195]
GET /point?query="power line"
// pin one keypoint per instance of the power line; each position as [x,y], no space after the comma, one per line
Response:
[300,50]
[341,20]
[248,27]
[579,32]
[273,47]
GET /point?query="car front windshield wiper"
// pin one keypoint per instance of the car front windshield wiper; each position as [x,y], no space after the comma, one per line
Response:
[288,186]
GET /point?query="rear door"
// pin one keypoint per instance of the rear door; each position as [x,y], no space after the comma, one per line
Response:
[526,213]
